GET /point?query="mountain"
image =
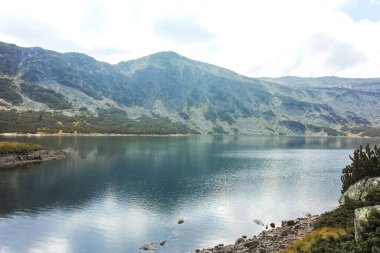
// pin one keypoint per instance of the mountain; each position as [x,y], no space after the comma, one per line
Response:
[47,91]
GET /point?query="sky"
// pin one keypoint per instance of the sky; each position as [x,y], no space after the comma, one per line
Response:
[251,37]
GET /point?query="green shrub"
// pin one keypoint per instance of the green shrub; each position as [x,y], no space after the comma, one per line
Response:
[373,197]
[342,216]
[364,163]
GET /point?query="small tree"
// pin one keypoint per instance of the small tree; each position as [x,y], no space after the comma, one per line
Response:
[365,163]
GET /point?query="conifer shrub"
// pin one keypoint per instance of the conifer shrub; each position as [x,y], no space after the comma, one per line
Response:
[365,163]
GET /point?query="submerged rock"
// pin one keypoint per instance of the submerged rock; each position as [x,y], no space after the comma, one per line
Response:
[258,222]
[149,246]
[180,220]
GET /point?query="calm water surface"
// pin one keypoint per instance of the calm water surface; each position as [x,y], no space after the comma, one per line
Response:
[122,192]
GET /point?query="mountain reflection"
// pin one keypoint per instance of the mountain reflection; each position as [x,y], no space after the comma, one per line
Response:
[131,189]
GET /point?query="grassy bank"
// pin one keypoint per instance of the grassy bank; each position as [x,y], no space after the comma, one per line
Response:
[17,147]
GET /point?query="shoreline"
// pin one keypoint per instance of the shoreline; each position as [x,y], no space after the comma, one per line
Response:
[269,240]
[169,135]
[16,160]
[84,134]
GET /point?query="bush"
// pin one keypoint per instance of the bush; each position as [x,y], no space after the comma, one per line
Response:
[342,216]
[365,163]
[17,147]
[373,197]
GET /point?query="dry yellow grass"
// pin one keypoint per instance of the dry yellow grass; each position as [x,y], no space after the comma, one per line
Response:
[17,147]
[305,242]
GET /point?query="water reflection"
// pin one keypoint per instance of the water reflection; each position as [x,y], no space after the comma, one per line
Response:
[130,190]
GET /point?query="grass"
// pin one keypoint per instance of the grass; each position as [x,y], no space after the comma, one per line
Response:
[17,147]
[306,242]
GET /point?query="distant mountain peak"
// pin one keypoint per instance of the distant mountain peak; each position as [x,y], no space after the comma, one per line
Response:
[165,56]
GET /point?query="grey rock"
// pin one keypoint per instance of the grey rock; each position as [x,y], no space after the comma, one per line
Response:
[239,241]
[359,190]
[287,223]
[361,215]
[162,242]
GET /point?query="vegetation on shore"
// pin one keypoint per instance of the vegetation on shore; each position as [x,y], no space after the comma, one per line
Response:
[305,244]
[326,237]
[365,163]
[108,121]
[17,147]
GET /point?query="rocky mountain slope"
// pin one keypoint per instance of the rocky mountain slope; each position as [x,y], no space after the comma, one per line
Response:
[47,91]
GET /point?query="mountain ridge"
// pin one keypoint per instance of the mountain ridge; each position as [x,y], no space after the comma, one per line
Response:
[169,89]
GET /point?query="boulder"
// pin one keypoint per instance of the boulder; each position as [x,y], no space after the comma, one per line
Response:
[287,223]
[361,215]
[162,242]
[149,246]
[239,241]
[359,190]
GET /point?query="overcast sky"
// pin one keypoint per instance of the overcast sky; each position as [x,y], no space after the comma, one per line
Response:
[253,37]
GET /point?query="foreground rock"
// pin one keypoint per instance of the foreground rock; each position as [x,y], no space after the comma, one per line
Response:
[16,160]
[359,190]
[361,215]
[269,240]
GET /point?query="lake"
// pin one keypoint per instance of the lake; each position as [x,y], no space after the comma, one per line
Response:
[124,191]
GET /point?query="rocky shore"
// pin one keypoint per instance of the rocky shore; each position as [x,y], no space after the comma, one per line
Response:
[15,160]
[268,241]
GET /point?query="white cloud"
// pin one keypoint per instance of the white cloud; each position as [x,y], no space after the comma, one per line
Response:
[256,38]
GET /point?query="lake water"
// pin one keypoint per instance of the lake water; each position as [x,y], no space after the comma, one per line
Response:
[122,192]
